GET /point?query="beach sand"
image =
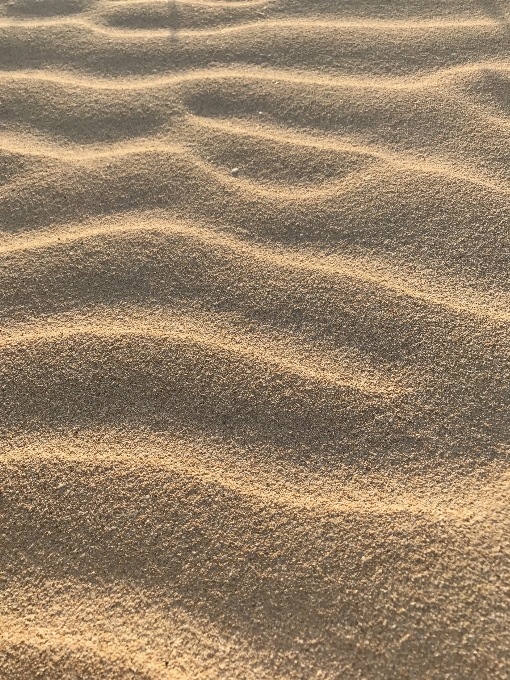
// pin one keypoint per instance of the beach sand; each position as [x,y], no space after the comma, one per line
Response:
[254,339]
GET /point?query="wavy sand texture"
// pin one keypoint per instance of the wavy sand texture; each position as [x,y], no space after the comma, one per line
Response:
[254,426]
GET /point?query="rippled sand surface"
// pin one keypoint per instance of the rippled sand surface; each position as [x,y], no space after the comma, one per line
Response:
[254,424]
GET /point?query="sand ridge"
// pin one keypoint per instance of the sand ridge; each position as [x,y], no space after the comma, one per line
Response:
[254,424]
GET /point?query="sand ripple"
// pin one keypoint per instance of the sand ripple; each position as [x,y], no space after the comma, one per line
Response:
[254,426]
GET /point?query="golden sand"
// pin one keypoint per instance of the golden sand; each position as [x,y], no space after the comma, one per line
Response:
[254,424]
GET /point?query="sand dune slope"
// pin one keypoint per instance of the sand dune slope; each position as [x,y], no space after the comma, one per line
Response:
[254,424]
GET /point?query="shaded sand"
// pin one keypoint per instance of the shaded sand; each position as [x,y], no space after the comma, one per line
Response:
[254,426]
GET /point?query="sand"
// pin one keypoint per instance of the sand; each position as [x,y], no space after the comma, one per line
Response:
[254,424]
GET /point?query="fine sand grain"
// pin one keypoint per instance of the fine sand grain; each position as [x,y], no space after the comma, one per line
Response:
[254,339]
